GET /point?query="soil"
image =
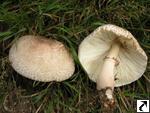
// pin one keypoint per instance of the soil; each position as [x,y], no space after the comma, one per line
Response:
[3,26]
[14,102]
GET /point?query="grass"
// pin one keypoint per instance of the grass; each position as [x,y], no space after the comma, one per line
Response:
[70,21]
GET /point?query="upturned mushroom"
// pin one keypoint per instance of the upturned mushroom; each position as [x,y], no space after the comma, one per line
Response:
[41,59]
[112,57]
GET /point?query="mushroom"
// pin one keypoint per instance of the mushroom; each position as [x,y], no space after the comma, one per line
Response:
[112,57]
[41,59]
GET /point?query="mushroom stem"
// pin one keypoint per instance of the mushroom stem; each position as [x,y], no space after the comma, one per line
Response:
[105,81]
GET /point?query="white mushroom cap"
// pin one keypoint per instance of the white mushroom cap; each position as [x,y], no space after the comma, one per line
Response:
[41,59]
[95,47]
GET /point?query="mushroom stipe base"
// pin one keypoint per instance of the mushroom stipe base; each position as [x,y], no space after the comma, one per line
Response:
[107,105]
